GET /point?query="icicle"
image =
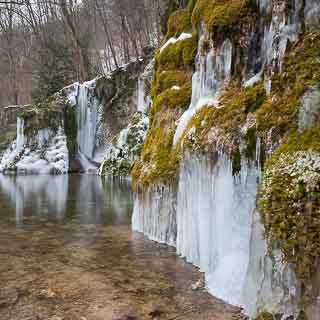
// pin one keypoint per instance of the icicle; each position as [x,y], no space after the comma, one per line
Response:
[258,155]
[87,117]
[20,134]
[212,71]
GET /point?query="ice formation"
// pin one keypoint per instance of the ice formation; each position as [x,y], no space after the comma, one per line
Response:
[212,72]
[44,151]
[214,212]
[269,284]
[88,114]
[154,214]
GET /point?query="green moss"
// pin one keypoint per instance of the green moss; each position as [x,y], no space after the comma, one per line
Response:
[135,119]
[300,70]
[191,5]
[264,315]
[173,98]
[235,105]
[114,140]
[289,201]
[294,142]
[27,112]
[251,143]
[168,79]
[170,8]
[116,168]
[221,15]
[178,23]
[236,162]
[180,55]
[173,67]
[71,131]
[158,162]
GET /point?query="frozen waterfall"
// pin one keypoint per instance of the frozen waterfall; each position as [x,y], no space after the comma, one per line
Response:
[212,71]
[20,134]
[214,215]
[87,112]
[154,214]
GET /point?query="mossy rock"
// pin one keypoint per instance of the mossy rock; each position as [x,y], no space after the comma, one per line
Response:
[179,55]
[221,15]
[27,112]
[171,94]
[179,22]
[264,315]
[235,105]
[289,201]
[300,70]
[168,79]
[71,131]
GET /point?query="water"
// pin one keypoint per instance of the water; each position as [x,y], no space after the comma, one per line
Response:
[67,252]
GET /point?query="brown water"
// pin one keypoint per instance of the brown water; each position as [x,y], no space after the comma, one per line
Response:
[67,252]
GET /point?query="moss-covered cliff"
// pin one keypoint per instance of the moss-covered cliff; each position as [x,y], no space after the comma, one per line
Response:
[264,110]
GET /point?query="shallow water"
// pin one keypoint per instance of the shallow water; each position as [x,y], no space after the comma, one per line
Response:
[67,252]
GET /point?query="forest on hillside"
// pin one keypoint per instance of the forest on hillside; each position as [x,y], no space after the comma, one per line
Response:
[47,44]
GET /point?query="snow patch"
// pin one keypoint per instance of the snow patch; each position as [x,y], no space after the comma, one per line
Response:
[172,40]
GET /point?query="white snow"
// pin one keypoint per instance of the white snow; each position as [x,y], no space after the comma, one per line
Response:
[172,40]
[41,153]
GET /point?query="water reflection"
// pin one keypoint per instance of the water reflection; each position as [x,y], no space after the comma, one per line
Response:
[85,199]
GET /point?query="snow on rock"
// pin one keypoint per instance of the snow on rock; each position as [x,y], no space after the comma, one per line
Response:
[183,36]
[42,152]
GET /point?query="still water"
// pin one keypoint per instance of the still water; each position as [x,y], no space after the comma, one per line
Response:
[67,252]
[79,198]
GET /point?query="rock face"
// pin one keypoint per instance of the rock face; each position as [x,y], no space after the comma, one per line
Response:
[309,112]
[125,146]
[8,125]
[72,130]
[202,181]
